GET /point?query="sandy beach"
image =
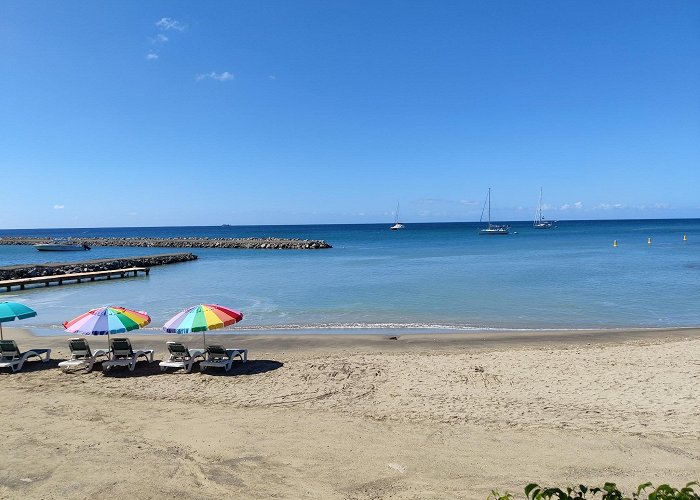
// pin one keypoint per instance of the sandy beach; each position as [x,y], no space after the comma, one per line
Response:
[353,417]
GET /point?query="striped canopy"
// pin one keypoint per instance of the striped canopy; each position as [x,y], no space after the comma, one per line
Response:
[201,318]
[106,320]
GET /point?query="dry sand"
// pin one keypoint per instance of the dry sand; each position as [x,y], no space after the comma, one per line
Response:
[424,416]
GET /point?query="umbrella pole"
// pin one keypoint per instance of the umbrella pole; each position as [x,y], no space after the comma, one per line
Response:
[204,337]
[1,337]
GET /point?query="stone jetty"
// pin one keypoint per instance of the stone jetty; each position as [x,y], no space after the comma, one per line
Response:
[194,242]
[59,268]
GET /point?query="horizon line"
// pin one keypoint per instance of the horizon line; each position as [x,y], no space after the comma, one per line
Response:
[528,221]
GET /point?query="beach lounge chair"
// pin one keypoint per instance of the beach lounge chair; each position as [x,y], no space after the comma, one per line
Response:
[218,357]
[11,357]
[124,355]
[181,357]
[81,356]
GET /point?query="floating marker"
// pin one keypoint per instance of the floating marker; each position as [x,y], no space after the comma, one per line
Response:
[615,243]
[684,238]
[649,240]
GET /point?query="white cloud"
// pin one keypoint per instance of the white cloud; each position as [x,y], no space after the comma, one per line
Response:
[221,77]
[159,38]
[569,206]
[132,214]
[271,77]
[168,23]
[151,56]
[469,202]
[58,207]
[657,206]
[609,206]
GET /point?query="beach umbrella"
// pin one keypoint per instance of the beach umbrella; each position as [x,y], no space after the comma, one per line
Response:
[10,311]
[106,320]
[201,318]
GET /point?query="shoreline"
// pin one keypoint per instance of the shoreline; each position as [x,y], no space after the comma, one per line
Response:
[390,338]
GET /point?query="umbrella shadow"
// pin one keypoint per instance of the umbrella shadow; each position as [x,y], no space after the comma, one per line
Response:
[251,367]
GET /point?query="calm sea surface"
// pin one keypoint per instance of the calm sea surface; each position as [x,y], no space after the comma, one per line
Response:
[428,276]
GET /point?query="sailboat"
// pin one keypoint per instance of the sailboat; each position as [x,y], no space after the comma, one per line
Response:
[540,222]
[491,228]
[397,224]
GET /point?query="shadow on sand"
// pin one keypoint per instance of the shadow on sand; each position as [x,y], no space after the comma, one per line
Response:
[252,367]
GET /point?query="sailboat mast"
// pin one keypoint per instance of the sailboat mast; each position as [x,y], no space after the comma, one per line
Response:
[489,197]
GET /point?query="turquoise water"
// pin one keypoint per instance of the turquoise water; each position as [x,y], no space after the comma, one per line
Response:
[439,277]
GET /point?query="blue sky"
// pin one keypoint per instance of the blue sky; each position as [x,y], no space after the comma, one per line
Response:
[279,112]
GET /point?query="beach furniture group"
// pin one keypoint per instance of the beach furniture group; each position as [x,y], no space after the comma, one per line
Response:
[216,356]
[121,354]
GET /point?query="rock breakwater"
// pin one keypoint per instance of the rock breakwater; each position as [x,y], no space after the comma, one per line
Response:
[59,268]
[194,242]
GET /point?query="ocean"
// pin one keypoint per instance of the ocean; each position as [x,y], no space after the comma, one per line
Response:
[440,277]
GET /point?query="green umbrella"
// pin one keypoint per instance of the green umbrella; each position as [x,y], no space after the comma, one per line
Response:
[10,311]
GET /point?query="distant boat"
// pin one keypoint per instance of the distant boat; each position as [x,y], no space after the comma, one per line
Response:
[397,225]
[60,247]
[540,222]
[491,229]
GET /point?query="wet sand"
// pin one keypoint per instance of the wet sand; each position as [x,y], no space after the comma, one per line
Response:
[359,416]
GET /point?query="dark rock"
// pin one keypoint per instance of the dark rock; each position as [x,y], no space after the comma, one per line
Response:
[53,269]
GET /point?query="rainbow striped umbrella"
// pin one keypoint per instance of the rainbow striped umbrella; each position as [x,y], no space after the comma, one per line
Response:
[201,318]
[106,320]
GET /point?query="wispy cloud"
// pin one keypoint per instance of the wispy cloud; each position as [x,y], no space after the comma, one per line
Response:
[168,23]
[271,77]
[220,77]
[469,203]
[609,206]
[159,38]
[59,207]
[571,206]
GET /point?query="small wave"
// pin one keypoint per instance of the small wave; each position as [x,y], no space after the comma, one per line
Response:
[357,328]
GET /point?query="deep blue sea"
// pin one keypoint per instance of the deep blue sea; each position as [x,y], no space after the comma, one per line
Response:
[428,277]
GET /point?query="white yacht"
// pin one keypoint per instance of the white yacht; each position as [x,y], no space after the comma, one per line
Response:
[540,222]
[58,246]
[491,229]
[397,224]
